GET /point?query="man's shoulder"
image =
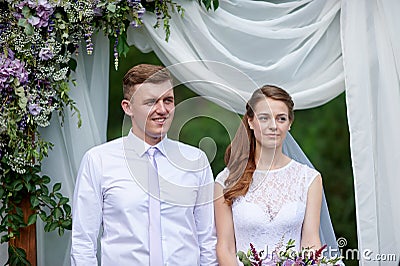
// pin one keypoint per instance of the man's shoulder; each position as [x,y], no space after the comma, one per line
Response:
[183,147]
[107,147]
[185,155]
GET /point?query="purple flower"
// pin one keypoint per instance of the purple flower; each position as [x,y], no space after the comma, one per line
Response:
[40,12]
[141,12]
[34,109]
[98,12]
[34,20]
[45,54]
[11,68]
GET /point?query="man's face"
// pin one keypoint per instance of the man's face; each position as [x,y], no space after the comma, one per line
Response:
[151,110]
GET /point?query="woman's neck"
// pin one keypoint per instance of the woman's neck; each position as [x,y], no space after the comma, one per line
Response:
[268,159]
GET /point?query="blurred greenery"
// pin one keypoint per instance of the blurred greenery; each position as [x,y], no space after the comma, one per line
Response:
[321,132]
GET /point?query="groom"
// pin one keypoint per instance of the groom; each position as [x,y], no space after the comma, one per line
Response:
[152,195]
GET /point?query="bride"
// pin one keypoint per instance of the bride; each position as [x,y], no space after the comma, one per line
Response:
[263,196]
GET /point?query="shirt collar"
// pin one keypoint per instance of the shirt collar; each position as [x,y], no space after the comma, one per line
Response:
[141,147]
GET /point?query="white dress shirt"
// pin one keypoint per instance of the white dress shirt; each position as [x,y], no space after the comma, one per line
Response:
[111,190]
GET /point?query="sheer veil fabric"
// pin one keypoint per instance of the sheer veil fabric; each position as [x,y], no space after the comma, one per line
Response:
[310,48]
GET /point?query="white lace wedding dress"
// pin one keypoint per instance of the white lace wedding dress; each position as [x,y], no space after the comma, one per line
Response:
[272,211]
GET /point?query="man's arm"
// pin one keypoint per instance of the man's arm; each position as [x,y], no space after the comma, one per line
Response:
[204,217]
[86,213]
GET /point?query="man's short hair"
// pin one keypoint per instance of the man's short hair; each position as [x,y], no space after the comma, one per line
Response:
[142,73]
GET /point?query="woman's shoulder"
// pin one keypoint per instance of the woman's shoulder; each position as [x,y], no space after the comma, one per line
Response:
[309,172]
[222,176]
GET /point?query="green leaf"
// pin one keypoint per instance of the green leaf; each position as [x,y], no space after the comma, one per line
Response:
[32,219]
[46,199]
[123,46]
[53,226]
[72,64]
[215,4]
[46,179]
[60,231]
[18,187]
[53,203]
[111,7]
[34,201]
[44,189]
[4,239]
[67,209]
[58,213]
[43,216]
[26,11]
[63,201]
[67,224]
[19,211]
[56,187]
[243,258]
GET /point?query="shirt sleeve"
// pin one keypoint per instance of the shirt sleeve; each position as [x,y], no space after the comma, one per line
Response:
[86,213]
[204,218]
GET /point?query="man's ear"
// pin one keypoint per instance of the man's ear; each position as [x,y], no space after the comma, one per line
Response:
[126,106]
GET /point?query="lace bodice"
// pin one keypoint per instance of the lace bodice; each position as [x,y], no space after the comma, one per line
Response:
[272,211]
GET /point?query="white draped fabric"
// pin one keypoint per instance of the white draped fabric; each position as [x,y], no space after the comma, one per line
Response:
[244,44]
[371,55]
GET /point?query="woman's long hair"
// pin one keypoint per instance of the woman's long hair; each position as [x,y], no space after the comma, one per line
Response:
[240,154]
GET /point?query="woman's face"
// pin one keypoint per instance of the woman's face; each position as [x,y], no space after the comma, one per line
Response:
[270,123]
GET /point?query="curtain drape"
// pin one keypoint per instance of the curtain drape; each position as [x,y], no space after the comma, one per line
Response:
[371,55]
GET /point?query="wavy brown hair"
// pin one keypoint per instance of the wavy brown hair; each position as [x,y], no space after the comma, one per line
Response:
[239,155]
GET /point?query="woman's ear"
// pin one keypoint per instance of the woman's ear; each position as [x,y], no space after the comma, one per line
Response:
[126,106]
[250,122]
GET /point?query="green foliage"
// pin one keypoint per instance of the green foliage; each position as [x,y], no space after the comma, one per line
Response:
[50,205]
[16,256]
[210,4]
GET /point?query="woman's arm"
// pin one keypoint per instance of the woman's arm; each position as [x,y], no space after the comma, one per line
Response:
[310,231]
[226,250]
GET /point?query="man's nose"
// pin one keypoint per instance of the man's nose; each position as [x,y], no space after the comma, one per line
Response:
[161,107]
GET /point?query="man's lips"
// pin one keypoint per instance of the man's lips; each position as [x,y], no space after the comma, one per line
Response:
[159,120]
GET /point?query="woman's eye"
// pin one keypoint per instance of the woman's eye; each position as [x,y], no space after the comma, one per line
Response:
[282,119]
[263,118]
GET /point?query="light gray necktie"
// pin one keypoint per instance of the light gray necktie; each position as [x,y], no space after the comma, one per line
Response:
[156,256]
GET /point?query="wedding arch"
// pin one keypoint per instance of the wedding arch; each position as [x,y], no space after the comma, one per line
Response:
[315,49]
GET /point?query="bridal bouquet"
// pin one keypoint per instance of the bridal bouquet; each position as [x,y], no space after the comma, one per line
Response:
[286,256]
